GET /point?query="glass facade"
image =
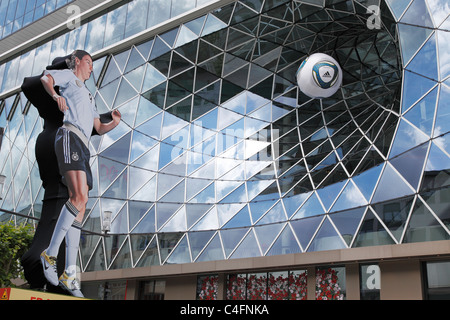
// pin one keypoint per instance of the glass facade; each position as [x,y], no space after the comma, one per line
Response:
[17,14]
[220,156]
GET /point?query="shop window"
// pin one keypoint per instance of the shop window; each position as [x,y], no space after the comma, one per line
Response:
[207,287]
[370,282]
[105,290]
[152,290]
[282,285]
[330,283]
[437,282]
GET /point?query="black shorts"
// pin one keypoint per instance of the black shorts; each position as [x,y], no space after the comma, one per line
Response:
[72,154]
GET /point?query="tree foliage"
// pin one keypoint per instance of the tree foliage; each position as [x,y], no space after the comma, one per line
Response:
[14,242]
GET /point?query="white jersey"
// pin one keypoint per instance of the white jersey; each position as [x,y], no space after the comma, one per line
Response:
[82,109]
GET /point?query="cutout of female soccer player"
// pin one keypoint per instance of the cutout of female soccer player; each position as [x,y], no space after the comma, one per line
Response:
[72,151]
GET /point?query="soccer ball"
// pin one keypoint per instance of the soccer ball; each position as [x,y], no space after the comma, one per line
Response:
[319,76]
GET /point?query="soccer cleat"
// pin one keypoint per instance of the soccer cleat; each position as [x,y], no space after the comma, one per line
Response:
[71,285]
[49,268]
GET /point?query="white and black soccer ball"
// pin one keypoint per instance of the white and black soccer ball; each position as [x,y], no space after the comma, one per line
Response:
[319,76]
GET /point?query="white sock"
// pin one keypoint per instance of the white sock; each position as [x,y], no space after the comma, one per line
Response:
[65,220]
[72,245]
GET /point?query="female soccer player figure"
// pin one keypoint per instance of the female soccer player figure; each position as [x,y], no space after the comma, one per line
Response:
[72,151]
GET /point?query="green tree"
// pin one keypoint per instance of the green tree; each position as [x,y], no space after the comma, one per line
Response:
[14,242]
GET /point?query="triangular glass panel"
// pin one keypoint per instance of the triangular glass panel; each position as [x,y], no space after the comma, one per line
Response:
[442,115]
[128,111]
[427,53]
[226,118]
[423,226]
[180,64]
[112,72]
[177,223]
[212,24]
[417,14]
[152,78]
[436,173]
[225,187]
[207,120]
[410,164]
[329,193]
[164,211]
[211,93]
[267,234]
[326,238]
[311,207]
[171,124]
[147,223]
[207,195]
[285,244]
[150,257]
[394,215]
[438,201]
[175,93]
[241,219]
[293,202]
[136,210]
[141,143]
[139,177]
[372,232]
[152,127]
[422,114]
[239,77]
[204,78]
[135,77]
[181,254]
[119,150]
[196,25]
[347,223]
[274,215]
[411,39]
[185,35]
[96,262]
[159,48]
[182,109]
[145,111]
[209,221]
[139,243]
[147,192]
[231,237]
[135,60]
[194,212]
[195,185]
[367,180]
[109,170]
[149,160]
[198,241]
[391,186]
[119,224]
[229,90]
[414,87]
[304,229]
[407,137]
[350,197]
[108,92]
[123,258]
[213,251]
[118,188]
[248,248]
[156,95]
